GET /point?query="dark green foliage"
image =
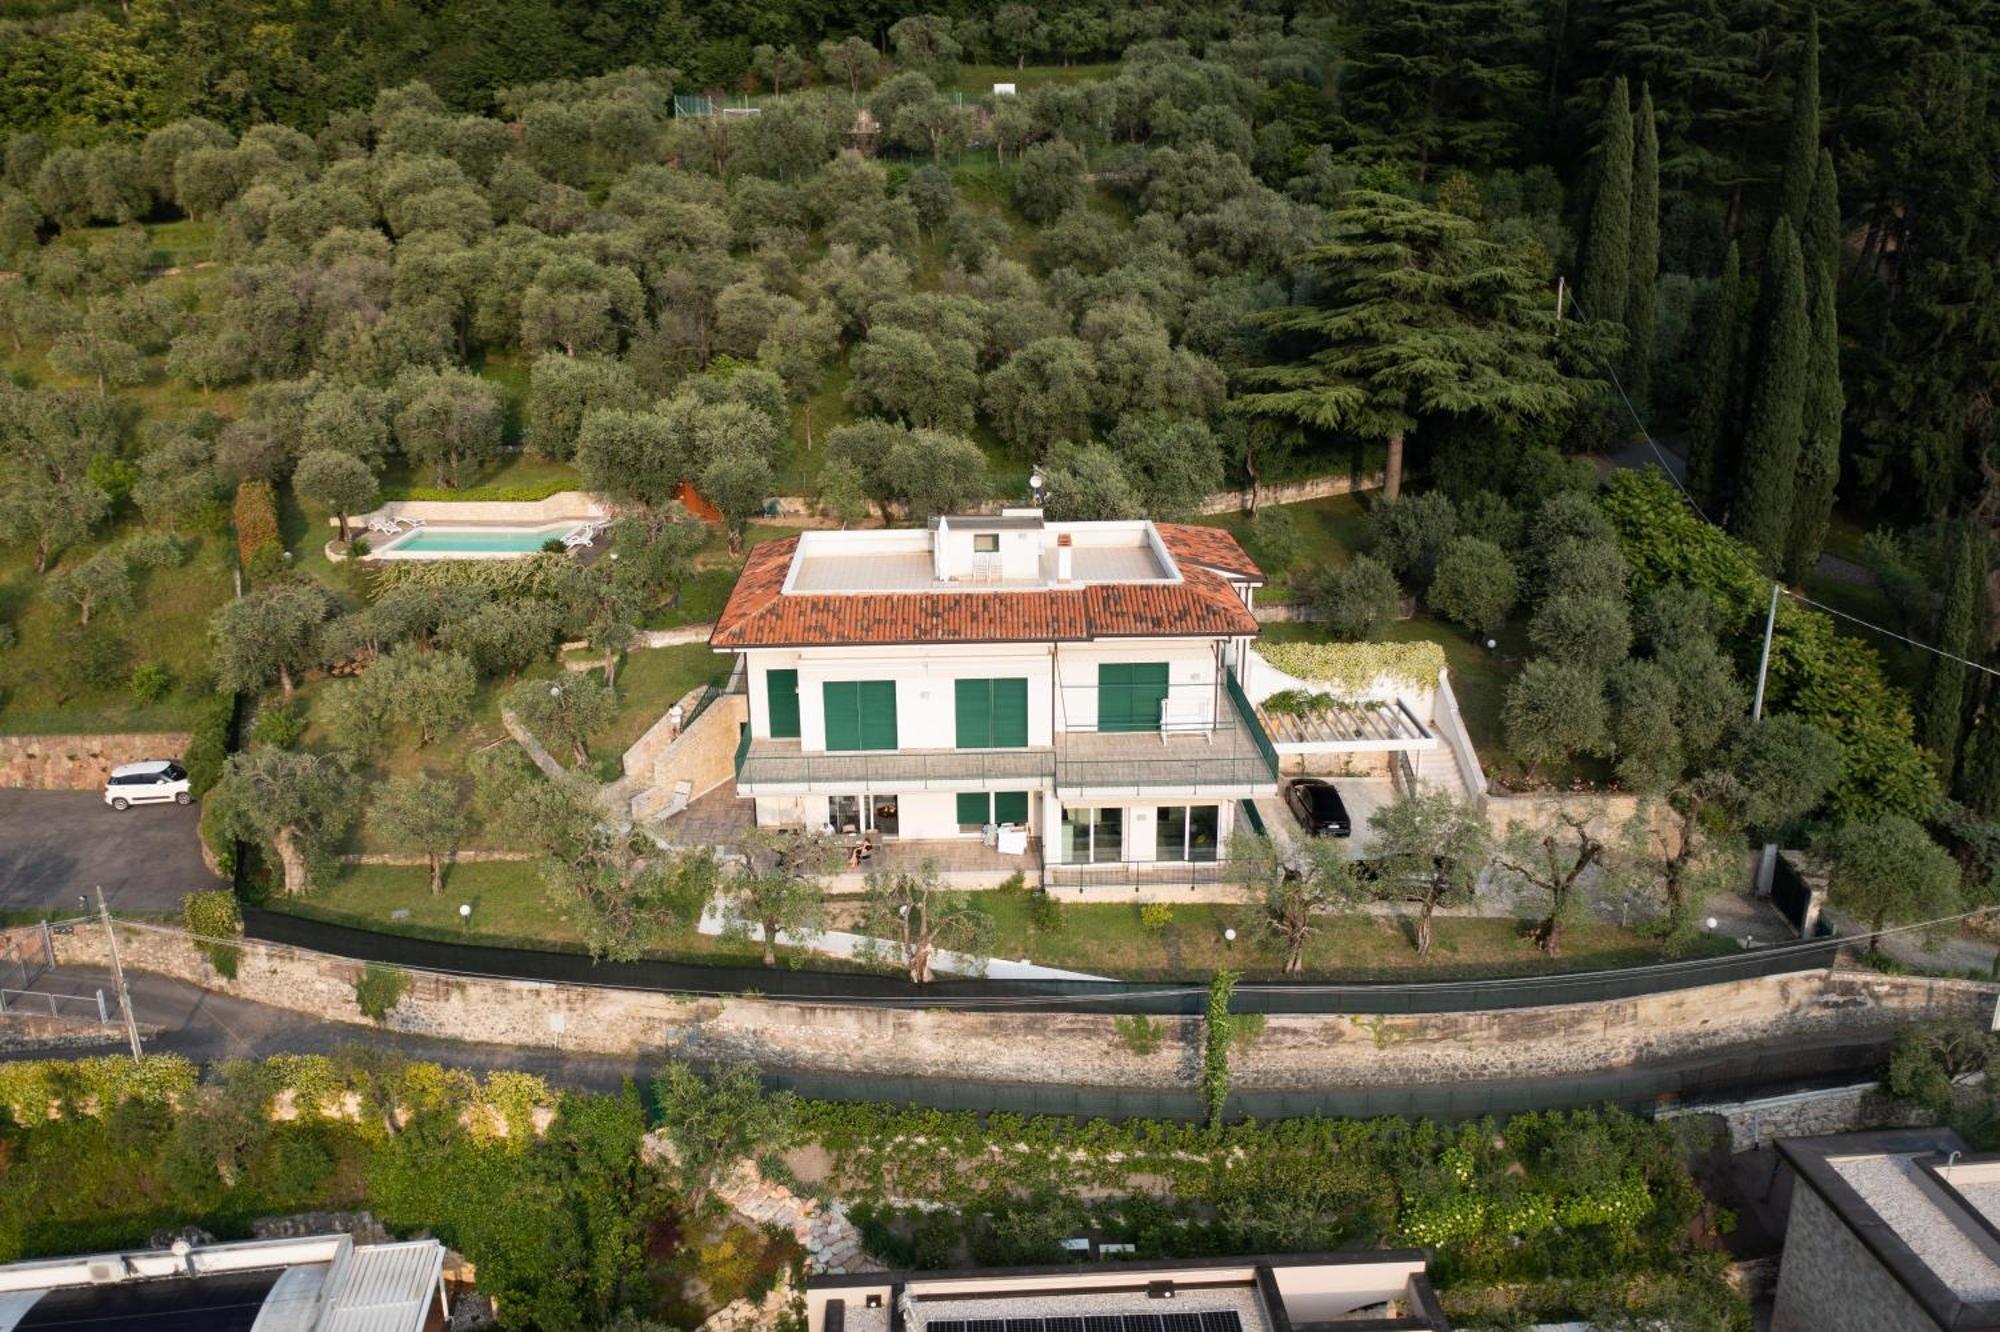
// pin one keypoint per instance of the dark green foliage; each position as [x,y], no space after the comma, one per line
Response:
[1819,438]
[1802,135]
[1774,414]
[1218,1030]
[1475,584]
[1712,431]
[1645,243]
[1357,600]
[1888,871]
[1607,252]
[1941,719]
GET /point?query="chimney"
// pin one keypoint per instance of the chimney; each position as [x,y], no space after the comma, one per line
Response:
[1064,566]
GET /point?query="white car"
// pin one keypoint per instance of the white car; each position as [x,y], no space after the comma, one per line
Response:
[155,781]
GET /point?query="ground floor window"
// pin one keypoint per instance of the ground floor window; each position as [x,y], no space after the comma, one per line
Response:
[976,809]
[852,814]
[1186,832]
[1092,836]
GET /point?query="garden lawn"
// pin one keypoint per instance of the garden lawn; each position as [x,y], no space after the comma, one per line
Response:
[651,681]
[515,476]
[42,685]
[1109,939]
[1331,531]
[511,908]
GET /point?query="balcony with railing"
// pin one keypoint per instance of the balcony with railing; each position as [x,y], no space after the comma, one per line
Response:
[1225,754]
[781,767]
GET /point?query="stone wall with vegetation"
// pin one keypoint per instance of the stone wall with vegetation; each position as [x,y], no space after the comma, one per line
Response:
[79,762]
[1292,1052]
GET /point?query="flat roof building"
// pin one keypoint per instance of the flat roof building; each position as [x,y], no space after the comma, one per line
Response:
[1380,1290]
[1890,1230]
[316,1283]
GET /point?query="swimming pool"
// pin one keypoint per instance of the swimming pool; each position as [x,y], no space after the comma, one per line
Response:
[443,541]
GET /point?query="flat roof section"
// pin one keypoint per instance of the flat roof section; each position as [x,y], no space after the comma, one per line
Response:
[224,1302]
[1926,1221]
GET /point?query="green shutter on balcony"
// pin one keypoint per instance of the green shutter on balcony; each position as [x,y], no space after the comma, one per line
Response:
[973,700]
[1130,695]
[860,714]
[1010,713]
[972,807]
[878,714]
[991,714]
[842,701]
[1010,806]
[781,701]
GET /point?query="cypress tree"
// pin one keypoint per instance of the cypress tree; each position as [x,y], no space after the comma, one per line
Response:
[1802,138]
[1711,441]
[1639,313]
[1819,439]
[1942,724]
[1979,778]
[1607,253]
[1775,415]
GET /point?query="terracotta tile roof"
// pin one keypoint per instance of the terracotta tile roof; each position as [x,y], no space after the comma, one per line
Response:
[1210,547]
[758,613]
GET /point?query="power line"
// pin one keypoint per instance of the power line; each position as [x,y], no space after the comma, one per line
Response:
[1695,504]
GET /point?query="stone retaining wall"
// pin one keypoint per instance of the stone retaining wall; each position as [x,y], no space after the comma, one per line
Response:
[1759,1123]
[1294,1052]
[80,762]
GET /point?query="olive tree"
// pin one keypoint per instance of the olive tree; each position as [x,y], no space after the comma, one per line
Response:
[420,811]
[570,709]
[269,634]
[915,916]
[102,581]
[293,801]
[1430,849]
[779,888]
[337,481]
[1889,871]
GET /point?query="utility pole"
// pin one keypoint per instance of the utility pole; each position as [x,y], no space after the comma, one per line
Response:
[1764,664]
[1767,860]
[118,977]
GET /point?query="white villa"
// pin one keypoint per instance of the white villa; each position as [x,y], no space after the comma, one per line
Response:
[1073,700]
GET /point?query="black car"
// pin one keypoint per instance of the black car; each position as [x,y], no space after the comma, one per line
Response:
[1318,806]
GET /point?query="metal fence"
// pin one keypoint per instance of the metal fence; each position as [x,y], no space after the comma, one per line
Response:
[92,1008]
[1163,998]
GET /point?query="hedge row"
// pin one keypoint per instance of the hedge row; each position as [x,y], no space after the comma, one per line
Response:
[255,517]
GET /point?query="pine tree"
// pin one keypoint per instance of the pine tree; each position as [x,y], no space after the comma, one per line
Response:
[1775,414]
[1711,424]
[1639,313]
[1942,723]
[1607,262]
[1819,439]
[1802,138]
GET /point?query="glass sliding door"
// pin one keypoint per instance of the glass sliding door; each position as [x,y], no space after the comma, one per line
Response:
[1092,836]
[1187,832]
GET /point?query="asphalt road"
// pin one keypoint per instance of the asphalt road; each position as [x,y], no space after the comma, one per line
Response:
[55,845]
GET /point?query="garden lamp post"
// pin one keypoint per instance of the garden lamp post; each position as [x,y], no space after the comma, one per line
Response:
[1037,487]
[465,915]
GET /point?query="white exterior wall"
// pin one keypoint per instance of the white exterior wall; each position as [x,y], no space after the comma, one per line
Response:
[926,699]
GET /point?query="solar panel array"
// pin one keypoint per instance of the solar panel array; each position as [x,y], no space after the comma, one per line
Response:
[1214,1320]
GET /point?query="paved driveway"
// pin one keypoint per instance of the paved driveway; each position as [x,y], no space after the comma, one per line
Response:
[57,844]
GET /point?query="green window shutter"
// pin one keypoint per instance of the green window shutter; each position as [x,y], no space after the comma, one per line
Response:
[1130,695]
[974,706]
[972,807]
[781,702]
[1149,694]
[842,701]
[1010,713]
[1010,806]
[877,706]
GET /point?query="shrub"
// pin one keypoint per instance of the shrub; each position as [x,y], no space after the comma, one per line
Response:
[1359,600]
[255,517]
[279,724]
[1353,667]
[1275,540]
[379,990]
[1140,1034]
[1045,913]
[151,682]
[553,546]
[208,747]
[1156,916]
[1475,585]
[155,550]
[1411,533]
[215,835]
[212,916]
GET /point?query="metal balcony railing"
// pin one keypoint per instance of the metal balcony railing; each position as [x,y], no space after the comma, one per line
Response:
[782,763]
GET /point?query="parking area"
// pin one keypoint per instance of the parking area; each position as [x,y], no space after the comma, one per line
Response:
[55,845]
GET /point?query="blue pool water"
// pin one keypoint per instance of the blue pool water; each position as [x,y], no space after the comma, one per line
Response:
[478,541]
